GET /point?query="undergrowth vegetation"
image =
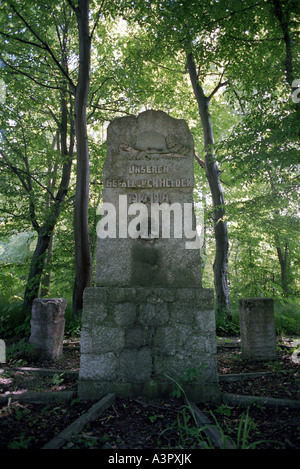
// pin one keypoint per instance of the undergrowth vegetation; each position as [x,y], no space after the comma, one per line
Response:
[13,323]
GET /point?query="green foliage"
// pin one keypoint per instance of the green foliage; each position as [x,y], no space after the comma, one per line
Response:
[226,326]
[20,443]
[21,349]
[242,439]
[20,414]
[57,379]
[138,61]
[224,410]
[188,377]
[190,435]
[287,318]
[72,325]
[12,321]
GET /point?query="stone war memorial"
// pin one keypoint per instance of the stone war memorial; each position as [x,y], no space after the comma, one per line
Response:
[148,321]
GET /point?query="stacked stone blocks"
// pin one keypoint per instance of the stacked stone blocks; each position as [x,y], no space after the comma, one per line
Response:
[136,341]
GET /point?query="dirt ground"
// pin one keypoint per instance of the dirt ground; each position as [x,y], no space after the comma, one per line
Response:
[137,424]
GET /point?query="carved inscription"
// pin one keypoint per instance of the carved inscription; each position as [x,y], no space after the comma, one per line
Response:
[149,183]
[149,180]
[148,169]
[152,197]
[138,178]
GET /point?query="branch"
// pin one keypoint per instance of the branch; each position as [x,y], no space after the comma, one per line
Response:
[17,171]
[243,39]
[97,100]
[183,72]
[219,85]
[97,19]
[30,43]
[72,5]
[20,172]
[200,161]
[104,108]
[99,88]
[45,46]
[21,72]
[239,100]
[11,213]
[236,12]
[31,205]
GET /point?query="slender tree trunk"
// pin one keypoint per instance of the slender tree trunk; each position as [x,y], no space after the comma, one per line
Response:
[46,279]
[284,268]
[43,242]
[83,256]
[283,18]
[52,170]
[45,232]
[36,269]
[213,177]
[282,253]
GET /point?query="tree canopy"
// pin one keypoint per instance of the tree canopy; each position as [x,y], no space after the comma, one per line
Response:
[229,68]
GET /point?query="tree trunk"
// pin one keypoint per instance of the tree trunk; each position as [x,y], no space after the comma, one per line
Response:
[52,170]
[284,268]
[45,232]
[46,280]
[36,269]
[284,21]
[213,177]
[83,256]
[44,238]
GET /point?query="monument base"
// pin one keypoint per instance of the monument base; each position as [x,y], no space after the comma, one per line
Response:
[144,341]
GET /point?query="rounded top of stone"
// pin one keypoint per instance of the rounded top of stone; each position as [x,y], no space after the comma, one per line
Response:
[151,141]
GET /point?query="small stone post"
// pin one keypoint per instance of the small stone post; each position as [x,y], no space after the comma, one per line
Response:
[2,351]
[257,328]
[48,326]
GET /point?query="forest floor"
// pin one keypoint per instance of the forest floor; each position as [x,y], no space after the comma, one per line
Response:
[140,424]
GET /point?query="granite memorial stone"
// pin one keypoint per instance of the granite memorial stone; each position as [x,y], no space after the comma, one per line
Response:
[148,319]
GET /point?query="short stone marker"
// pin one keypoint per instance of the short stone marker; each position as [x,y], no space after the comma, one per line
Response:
[148,321]
[257,328]
[47,327]
[2,351]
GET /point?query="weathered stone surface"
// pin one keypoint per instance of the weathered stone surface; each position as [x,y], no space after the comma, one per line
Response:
[95,302]
[138,336]
[205,320]
[125,313]
[2,351]
[153,315]
[257,328]
[181,313]
[148,319]
[137,352]
[135,364]
[47,327]
[111,339]
[98,366]
[165,341]
[148,173]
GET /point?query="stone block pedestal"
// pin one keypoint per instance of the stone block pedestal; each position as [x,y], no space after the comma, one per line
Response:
[136,341]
